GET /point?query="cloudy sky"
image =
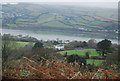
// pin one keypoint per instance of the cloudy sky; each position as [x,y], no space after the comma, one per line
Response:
[59,0]
[104,4]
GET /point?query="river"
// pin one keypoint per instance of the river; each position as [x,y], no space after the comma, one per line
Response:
[47,36]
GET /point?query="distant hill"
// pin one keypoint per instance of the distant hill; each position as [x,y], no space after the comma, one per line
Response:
[59,19]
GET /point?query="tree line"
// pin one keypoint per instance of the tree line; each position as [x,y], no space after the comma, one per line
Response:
[11,52]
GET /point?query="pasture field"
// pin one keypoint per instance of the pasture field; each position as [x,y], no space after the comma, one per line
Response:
[56,24]
[93,52]
[100,23]
[17,44]
[82,52]
[87,21]
[95,62]
[22,44]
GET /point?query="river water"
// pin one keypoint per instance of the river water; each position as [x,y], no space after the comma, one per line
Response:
[47,36]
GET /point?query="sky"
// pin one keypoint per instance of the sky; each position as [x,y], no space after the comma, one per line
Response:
[59,0]
[104,4]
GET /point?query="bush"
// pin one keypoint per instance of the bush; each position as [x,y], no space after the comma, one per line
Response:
[87,54]
[97,57]
[38,45]
[113,58]
[73,58]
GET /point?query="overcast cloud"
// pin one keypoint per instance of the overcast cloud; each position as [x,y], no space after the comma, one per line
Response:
[104,4]
[59,0]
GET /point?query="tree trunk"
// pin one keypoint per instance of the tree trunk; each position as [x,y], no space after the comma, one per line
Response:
[103,53]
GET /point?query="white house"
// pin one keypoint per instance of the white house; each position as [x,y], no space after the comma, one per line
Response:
[59,47]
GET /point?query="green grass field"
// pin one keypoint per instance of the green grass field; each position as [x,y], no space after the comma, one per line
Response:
[22,44]
[56,24]
[12,25]
[88,18]
[93,52]
[100,23]
[46,18]
[95,62]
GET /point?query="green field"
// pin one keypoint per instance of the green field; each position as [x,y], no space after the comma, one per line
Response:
[100,23]
[12,25]
[84,21]
[95,62]
[56,24]
[22,44]
[45,18]
[93,52]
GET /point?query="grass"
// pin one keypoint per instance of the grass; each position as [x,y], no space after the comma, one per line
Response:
[100,23]
[88,18]
[46,18]
[7,8]
[95,62]
[49,46]
[12,25]
[60,18]
[56,24]
[93,52]
[82,52]
[22,44]
[24,20]
[79,19]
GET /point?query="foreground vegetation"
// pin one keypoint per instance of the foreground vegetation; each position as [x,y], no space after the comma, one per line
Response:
[25,68]
[39,60]
[92,52]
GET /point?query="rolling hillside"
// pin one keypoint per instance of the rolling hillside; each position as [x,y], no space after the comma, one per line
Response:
[61,19]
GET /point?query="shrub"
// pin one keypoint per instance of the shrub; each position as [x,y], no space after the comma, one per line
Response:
[87,54]
[38,45]
[97,57]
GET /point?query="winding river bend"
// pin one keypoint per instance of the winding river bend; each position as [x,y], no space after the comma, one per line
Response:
[47,36]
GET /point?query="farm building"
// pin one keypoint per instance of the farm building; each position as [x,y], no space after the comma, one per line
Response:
[59,47]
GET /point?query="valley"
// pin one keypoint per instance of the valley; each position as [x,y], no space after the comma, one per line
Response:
[61,20]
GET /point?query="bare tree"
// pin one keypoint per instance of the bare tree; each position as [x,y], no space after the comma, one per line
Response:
[8,45]
[92,43]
